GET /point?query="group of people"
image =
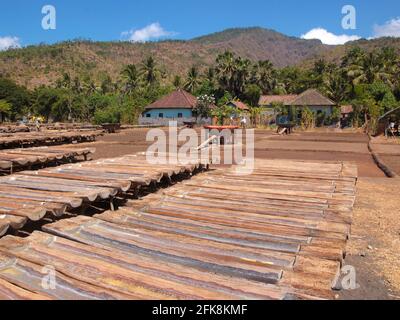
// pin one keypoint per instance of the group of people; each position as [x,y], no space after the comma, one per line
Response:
[242,120]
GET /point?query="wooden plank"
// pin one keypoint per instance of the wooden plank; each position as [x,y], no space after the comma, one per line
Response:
[23,139]
[9,291]
[19,159]
[261,236]
[32,194]
[114,272]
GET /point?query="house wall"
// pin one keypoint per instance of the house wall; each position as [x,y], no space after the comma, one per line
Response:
[271,116]
[169,113]
[164,122]
[268,110]
[327,110]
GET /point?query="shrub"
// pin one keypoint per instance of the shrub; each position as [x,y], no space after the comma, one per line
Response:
[108,115]
[5,109]
[307,118]
[203,106]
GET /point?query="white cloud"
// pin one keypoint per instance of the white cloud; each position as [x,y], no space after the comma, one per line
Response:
[327,37]
[9,42]
[152,31]
[390,28]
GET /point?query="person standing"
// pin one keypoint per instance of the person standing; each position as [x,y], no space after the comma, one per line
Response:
[243,122]
[390,129]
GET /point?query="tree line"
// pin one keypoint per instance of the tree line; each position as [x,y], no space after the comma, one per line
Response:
[366,79]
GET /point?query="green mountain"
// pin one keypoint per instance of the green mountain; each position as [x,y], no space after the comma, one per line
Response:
[43,64]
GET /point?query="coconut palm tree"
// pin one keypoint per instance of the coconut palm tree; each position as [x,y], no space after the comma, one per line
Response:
[336,86]
[149,71]
[368,68]
[131,79]
[177,83]
[390,66]
[210,75]
[353,64]
[76,86]
[289,80]
[107,85]
[90,87]
[193,79]
[65,81]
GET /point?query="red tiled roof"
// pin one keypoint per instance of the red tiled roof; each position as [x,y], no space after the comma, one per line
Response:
[268,100]
[177,99]
[240,105]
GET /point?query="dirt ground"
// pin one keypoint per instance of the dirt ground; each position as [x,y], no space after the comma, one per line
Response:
[306,146]
[388,150]
[374,247]
[393,161]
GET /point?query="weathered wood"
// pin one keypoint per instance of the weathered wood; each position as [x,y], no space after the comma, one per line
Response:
[45,138]
[19,159]
[278,233]
[9,291]
[32,194]
[116,273]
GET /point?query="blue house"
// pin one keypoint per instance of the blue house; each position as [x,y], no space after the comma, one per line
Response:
[177,106]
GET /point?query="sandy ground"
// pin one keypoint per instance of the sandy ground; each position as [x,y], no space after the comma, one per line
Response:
[389,151]
[393,162]
[315,146]
[299,145]
[374,248]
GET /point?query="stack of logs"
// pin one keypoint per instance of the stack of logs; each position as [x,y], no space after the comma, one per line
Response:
[277,233]
[45,138]
[30,195]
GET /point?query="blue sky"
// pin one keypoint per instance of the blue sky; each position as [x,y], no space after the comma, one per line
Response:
[20,20]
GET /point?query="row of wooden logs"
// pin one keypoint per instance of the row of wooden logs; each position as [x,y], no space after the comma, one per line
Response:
[277,233]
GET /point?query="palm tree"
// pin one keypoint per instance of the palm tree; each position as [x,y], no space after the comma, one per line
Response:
[225,69]
[76,86]
[336,86]
[90,87]
[210,75]
[390,66]
[149,71]
[319,72]
[65,81]
[264,76]
[232,73]
[107,85]
[353,65]
[368,68]
[372,68]
[192,80]
[131,79]
[289,80]
[177,82]
[320,66]
[241,75]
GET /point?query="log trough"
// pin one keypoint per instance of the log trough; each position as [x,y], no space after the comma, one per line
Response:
[277,233]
